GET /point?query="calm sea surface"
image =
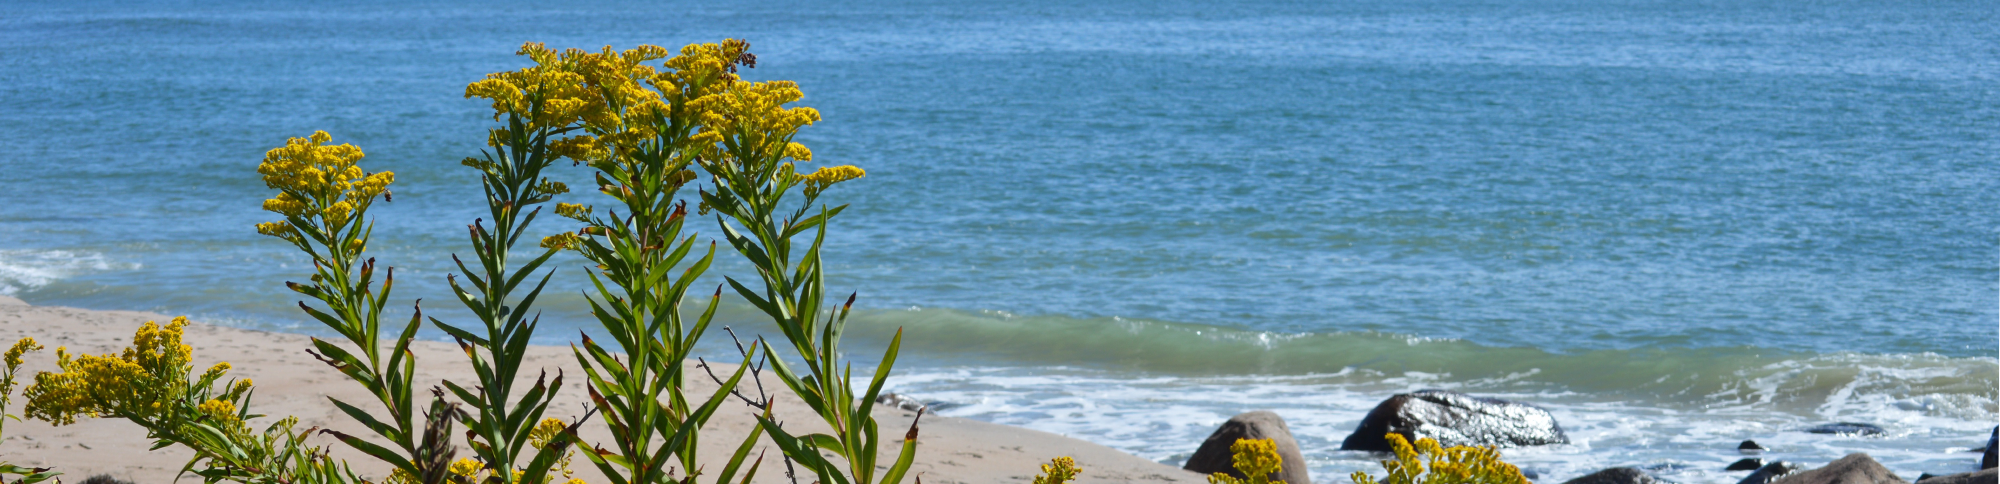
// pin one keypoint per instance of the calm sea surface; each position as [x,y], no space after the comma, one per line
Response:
[1675,224]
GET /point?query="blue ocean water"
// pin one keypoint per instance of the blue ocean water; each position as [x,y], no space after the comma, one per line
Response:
[1677,224]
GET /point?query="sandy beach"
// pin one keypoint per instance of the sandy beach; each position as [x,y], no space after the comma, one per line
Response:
[290,382]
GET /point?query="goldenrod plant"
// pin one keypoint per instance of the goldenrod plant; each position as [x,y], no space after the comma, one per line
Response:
[152,384]
[28,475]
[640,135]
[1256,459]
[1059,470]
[1429,463]
[537,105]
[324,195]
[752,167]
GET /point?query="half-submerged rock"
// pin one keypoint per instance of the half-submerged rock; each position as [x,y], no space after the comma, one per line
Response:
[1750,447]
[1214,455]
[899,401]
[1615,475]
[1770,472]
[1856,468]
[1455,419]
[1747,464]
[1847,428]
[1991,459]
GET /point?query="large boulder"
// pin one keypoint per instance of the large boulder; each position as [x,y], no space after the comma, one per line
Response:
[1856,468]
[1986,476]
[1615,475]
[1214,455]
[1770,472]
[1455,419]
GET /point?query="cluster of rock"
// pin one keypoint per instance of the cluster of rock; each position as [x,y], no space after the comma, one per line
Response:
[1455,419]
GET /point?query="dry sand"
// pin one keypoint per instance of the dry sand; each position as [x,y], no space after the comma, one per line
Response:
[290,382]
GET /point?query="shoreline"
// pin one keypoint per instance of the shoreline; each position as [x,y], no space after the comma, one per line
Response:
[290,382]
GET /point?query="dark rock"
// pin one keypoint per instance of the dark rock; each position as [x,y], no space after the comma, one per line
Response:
[1984,476]
[1615,475]
[1747,464]
[1770,472]
[1214,455]
[1991,460]
[1531,474]
[1925,475]
[899,401]
[1750,447]
[1846,428]
[105,479]
[1454,419]
[1856,468]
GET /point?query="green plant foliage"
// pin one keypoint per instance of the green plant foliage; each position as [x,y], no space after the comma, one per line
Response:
[150,385]
[753,173]
[642,143]
[325,196]
[538,104]
[1429,463]
[1058,471]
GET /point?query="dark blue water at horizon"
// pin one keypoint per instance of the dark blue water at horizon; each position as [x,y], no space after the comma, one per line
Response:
[1790,205]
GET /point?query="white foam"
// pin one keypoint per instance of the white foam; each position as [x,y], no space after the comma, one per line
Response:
[1166,418]
[30,269]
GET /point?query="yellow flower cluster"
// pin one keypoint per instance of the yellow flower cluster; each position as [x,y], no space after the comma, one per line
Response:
[1257,459]
[1429,463]
[826,176]
[544,433]
[316,180]
[141,382]
[753,113]
[22,347]
[222,412]
[470,470]
[549,94]
[574,211]
[13,361]
[565,240]
[1058,471]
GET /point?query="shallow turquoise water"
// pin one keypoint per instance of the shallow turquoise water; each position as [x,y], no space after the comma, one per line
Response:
[1763,212]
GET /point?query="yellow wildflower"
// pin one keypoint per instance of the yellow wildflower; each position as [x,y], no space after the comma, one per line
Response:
[1256,459]
[25,345]
[824,177]
[220,410]
[314,179]
[1427,461]
[798,152]
[153,370]
[1058,471]
[466,468]
[574,211]
[565,240]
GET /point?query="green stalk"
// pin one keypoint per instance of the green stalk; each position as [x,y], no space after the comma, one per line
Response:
[500,423]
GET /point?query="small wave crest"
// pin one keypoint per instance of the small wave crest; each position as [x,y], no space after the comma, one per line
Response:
[1802,383]
[23,270]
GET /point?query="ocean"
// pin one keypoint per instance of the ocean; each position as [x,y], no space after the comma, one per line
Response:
[1677,225]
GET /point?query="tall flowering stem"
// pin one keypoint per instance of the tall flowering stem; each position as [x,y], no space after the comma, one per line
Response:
[324,196]
[753,172]
[642,145]
[29,475]
[538,104]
